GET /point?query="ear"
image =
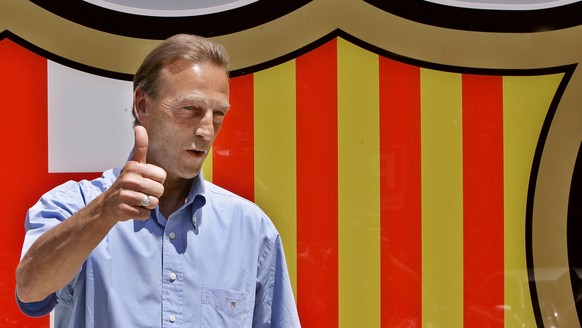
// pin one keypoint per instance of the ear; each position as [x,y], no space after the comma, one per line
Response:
[140,105]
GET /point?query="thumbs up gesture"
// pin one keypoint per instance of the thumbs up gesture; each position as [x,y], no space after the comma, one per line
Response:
[140,147]
[139,186]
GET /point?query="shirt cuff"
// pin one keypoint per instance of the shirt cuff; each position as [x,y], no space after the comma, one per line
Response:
[38,309]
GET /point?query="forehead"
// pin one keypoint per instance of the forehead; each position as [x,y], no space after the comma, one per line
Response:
[179,65]
[194,82]
[182,74]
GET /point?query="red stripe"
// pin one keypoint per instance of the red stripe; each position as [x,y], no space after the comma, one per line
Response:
[233,152]
[23,83]
[317,187]
[400,188]
[24,169]
[483,200]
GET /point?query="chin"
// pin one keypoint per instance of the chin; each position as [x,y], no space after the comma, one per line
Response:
[190,175]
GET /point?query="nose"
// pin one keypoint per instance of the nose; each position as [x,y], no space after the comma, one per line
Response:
[205,128]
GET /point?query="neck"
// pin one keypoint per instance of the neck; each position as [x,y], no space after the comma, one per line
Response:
[175,192]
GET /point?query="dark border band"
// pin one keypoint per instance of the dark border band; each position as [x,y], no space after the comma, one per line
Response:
[484,20]
[574,230]
[152,27]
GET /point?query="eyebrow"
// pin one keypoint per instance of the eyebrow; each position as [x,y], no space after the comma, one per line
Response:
[194,98]
[190,98]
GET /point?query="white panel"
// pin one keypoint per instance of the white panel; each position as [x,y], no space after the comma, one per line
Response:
[89,120]
[171,8]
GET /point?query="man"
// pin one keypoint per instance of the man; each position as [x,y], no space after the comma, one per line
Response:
[153,244]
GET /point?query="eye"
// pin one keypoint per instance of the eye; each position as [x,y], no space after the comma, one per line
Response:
[192,110]
[218,116]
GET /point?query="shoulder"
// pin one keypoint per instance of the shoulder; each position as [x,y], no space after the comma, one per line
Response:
[73,195]
[219,195]
[230,206]
[62,202]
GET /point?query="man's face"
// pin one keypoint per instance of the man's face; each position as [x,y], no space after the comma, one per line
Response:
[185,117]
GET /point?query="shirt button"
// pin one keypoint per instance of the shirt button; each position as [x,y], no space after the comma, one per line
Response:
[172,235]
[173,276]
[172,318]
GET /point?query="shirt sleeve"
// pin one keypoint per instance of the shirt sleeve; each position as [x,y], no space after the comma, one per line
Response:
[274,301]
[54,207]
[38,309]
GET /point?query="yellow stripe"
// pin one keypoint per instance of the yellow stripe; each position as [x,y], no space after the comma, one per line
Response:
[275,160]
[359,187]
[526,102]
[207,167]
[442,199]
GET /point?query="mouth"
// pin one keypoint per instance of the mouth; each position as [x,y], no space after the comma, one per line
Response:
[197,153]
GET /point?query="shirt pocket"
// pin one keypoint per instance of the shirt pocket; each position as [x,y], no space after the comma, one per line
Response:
[224,308]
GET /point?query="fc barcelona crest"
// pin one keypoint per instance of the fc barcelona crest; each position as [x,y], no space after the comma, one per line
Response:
[421,160]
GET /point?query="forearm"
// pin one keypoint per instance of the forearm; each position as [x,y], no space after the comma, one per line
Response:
[54,259]
[57,256]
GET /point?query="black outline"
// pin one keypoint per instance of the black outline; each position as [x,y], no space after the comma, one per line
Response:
[574,229]
[484,20]
[568,72]
[155,27]
[400,58]
[6,34]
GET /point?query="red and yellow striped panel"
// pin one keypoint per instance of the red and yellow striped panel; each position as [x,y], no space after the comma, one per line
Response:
[399,191]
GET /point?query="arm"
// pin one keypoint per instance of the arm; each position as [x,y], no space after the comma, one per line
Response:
[274,303]
[54,259]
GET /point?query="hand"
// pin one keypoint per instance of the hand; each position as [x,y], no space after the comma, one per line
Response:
[137,180]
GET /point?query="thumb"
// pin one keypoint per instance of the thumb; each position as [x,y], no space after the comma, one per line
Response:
[140,148]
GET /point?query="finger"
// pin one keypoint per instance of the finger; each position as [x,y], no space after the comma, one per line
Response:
[154,173]
[135,212]
[151,187]
[148,202]
[139,200]
[140,148]
[145,178]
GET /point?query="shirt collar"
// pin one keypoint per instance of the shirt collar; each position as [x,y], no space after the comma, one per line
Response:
[197,197]
[196,200]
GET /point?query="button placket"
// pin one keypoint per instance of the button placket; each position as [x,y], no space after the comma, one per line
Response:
[172,267]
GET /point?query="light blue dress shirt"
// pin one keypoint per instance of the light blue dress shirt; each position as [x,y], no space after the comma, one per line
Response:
[216,262]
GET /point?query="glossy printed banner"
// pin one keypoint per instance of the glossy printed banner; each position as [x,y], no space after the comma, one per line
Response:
[400,189]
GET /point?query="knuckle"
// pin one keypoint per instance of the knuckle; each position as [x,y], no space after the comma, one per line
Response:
[125,196]
[158,191]
[128,182]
